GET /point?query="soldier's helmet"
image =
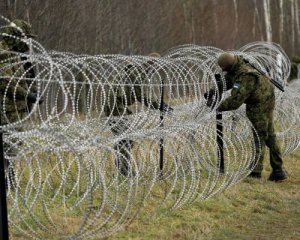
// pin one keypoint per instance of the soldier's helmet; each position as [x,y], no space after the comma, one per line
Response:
[226,61]
[154,54]
[20,28]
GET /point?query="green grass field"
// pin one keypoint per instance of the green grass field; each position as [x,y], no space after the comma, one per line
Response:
[253,209]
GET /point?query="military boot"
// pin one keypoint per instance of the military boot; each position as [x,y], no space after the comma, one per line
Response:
[278,175]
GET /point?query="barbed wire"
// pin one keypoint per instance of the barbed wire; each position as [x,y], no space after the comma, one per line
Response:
[85,157]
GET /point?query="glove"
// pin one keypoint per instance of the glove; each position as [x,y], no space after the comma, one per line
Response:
[218,112]
[206,95]
[210,102]
[32,98]
[167,109]
[218,77]
[210,99]
[211,92]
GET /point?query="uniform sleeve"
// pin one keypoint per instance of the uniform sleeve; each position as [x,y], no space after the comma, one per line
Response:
[7,73]
[229,82]
[14,87]
[241,90]
[30,75]
[220,86]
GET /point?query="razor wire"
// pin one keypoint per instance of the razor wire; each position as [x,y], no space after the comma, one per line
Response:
[65,151]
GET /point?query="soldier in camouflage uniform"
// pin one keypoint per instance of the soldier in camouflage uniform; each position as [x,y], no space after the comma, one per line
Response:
[257,92]
[120,98]
[294,68]
[15,97]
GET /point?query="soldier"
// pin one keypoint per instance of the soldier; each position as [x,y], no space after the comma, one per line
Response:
[120,98]
[294,68]
[15,97]
[255,90]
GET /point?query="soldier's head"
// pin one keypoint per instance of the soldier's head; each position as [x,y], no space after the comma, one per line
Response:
[226,61]
[152,55]
[18,31]
[296,59]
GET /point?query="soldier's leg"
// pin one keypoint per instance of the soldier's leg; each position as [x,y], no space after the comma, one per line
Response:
[9,166]
[260,149]
[10,153]
[275,153]
[123,161]
[123,147]
[278,173]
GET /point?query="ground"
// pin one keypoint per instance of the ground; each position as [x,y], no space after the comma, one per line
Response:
[253,209]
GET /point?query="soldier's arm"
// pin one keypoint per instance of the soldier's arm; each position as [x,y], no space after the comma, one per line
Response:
[7,83]
[10,85]
[221,86]
[241,90]
[229,82]
[30,74]
[15,88]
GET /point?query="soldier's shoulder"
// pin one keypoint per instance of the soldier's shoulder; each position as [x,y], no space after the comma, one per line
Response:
[248,71]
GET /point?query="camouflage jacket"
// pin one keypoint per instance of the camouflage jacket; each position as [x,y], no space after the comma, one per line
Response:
[253,89]
[13,90]
[294,71]
[127,89]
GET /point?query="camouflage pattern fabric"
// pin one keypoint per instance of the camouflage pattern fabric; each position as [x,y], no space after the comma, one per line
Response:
[12,91]
[294,68]
[13,105]
[123,147]
[128,89]
[257,92]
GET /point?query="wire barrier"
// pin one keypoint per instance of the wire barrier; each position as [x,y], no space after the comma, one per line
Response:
[110,137]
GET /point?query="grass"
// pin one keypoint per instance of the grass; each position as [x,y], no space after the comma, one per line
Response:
[253,209]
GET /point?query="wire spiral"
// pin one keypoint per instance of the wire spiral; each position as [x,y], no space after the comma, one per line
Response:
[64,152]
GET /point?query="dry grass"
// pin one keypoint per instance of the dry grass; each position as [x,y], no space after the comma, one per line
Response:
[254,209]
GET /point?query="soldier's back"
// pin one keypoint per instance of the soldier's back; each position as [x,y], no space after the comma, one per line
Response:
[13,88]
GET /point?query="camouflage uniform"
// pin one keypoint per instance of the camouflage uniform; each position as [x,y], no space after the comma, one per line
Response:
[294,68]
[120,97]
[12,108]
[14,92]
[12,68]
[256,91]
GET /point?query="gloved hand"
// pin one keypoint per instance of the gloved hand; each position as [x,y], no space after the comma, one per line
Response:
[167,109]
[211,102]
[218,77]
[206,95]
[32,98]
[210,99]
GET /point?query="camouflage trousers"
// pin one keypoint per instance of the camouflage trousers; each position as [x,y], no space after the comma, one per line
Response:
[267,138]
[10,149]
[9,166]
[123,147]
